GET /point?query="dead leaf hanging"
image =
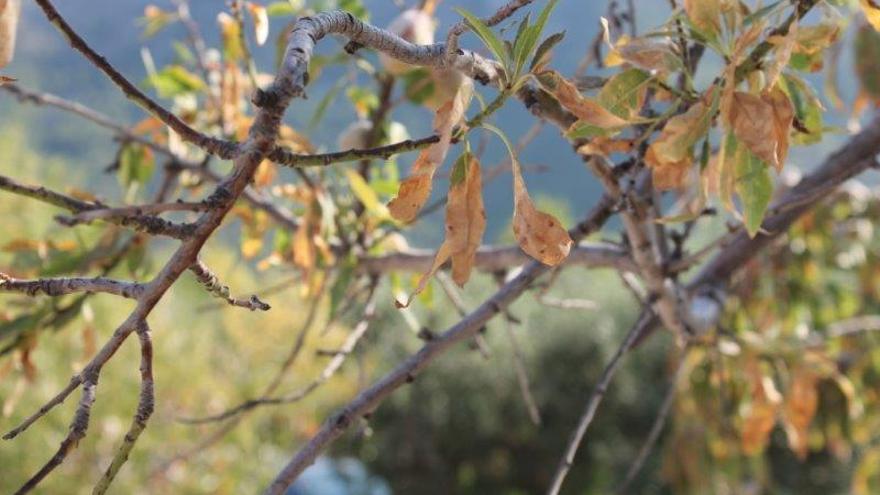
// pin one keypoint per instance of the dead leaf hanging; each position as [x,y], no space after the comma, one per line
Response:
[415,189]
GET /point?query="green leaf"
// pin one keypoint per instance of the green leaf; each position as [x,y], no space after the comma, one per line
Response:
[867,60]
[807,108]
[486,35]
[136,164]
[624,94]
[288,8]
[544,48]
[175,80]
[754,186]
[533,34]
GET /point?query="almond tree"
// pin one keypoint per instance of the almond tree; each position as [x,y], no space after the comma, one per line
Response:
[649,132]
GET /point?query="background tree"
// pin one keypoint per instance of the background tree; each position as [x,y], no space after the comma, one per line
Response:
[763,278]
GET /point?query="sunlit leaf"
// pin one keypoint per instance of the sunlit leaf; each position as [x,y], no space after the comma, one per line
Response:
[9,14]
[872,12]
[261,22]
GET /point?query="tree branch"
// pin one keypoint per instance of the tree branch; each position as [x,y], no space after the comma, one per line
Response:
[213,285]
[405,372]
[62,286]
[141,223]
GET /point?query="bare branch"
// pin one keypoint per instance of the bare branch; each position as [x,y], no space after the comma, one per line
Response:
[287,158]
[145,408]
[494,258]
[132,211]
[69,285]
[141,223]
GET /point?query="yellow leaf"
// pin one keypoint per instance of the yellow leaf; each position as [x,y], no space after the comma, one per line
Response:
[365,194]
[872,12]
[539,234]
[9,13]
[250,247]
[784,47]
[261,22]
[586,110]
[415,189]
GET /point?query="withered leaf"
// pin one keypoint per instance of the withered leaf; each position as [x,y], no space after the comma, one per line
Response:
[465,225]
[539,234]
[587,111]
[783,117]
[705,14]
[752,121]
[415,189]
[670,156]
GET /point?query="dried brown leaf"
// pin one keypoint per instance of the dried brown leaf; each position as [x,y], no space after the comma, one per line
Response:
[586,110]
[415,189]
[539,234]
[752,121]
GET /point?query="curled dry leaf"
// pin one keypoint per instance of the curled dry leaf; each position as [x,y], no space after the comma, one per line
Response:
[800,406]
[465,225]
[539,234]
[654,55]
[783,117]
[415,189]
[784,47]
[261,22]
[586,110]
[671,155]
[9,13]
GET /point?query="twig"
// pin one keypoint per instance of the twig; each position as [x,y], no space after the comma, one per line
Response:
[69,285]
[522,376]
[494,258]
[287,158]
[141,223]
[500,15]
[594,400]
[213,285]
[133,211]
[145,408]
[656,427]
